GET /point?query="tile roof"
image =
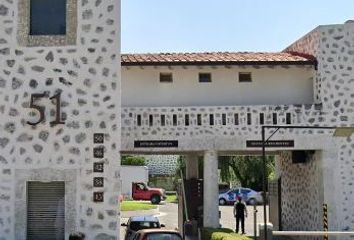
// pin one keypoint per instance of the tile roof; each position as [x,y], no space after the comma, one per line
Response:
[217,58]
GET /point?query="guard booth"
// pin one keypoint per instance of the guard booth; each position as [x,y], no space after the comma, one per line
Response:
[190,206]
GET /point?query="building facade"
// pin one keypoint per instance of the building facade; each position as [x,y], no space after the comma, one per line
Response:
[214,104]
[59,118]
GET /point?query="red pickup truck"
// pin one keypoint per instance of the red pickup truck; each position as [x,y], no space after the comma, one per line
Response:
[140,191]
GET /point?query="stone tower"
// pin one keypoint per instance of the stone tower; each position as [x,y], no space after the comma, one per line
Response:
[59,118]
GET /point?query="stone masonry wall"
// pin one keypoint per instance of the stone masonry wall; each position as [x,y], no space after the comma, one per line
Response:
[204,122]
[301,186]
[335,74]
[161,165]
[88,76]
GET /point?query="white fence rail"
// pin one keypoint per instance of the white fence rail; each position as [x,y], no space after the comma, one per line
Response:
[311,233]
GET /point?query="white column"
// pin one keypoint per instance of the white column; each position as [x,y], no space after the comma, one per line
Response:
[331,187]
[211,190]
[191,166]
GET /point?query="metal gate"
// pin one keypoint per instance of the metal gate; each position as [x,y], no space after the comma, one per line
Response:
[45,210]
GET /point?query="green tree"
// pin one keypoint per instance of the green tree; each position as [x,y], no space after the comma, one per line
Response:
[248,170]
[133,160]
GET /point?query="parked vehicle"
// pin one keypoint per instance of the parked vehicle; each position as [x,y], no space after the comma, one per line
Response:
[157,234]
[248,195]
[140,191]
[137,223]
[223,187]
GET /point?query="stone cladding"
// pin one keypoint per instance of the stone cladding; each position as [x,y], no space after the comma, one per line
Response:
[87,73]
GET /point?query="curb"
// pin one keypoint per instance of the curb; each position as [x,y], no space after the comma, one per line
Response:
[127,214]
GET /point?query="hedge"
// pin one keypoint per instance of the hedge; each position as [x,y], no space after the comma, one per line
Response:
[221,234]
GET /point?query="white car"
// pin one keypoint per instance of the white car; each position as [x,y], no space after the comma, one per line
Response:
[248,195]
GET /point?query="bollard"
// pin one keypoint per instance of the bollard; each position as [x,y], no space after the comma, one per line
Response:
[269,231]
[255,220]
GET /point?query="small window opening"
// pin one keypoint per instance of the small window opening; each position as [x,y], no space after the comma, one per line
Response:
[249,118]
[199,119]
[261,118]
[204,77]
[163,120]
[244,77]
[275,119]
[288,118]
[166,77]
[211,119]
[174,119]
[151,120]
[236,119]
[138,119]
[223,116]
[186,119]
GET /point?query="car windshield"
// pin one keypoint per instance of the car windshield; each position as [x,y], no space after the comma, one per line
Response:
[135,226]
[163,236]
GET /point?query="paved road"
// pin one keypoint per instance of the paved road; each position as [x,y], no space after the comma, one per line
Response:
[168,215]
[228,221]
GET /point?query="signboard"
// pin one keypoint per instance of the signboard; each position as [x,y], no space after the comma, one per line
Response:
[98,152]
[98,167]
[156,144]
[98,182]
[98,197]
[270,143]
[98,138]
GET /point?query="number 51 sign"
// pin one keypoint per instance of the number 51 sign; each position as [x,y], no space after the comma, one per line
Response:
[41,109]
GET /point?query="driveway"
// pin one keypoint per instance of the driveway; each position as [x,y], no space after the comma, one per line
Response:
[168,215]
[228,221]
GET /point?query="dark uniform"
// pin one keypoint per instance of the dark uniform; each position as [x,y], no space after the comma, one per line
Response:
[240,212]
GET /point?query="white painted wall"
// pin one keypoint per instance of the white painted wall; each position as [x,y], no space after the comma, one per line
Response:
[131,174]
[278,85]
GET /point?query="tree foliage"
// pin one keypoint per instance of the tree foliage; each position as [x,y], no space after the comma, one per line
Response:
[248,170]
[133,160]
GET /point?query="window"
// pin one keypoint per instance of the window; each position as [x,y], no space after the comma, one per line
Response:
[223,116]
[47,17]
[211,119]
[261,118]
[138,119]
[151,120]
[163,120]
[186,119]
[244,77]
[288,118]
[174,119]
[236,118]
[45,210]
[275,118]
[166,77]
[249,119]
[204,77]
[199,119]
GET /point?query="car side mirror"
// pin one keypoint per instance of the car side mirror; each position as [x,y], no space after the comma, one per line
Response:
[162,225]
[124,225]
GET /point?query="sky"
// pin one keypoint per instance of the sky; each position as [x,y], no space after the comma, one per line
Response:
[224,25]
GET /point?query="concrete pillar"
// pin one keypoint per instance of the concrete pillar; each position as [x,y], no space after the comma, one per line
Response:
[262,231]
[211,190]
[329,188]
[191,166]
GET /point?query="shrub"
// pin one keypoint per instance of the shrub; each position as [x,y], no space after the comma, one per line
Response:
[133,160]
[221,234]
[206,233]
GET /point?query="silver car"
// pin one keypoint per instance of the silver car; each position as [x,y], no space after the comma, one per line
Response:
[248,195]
